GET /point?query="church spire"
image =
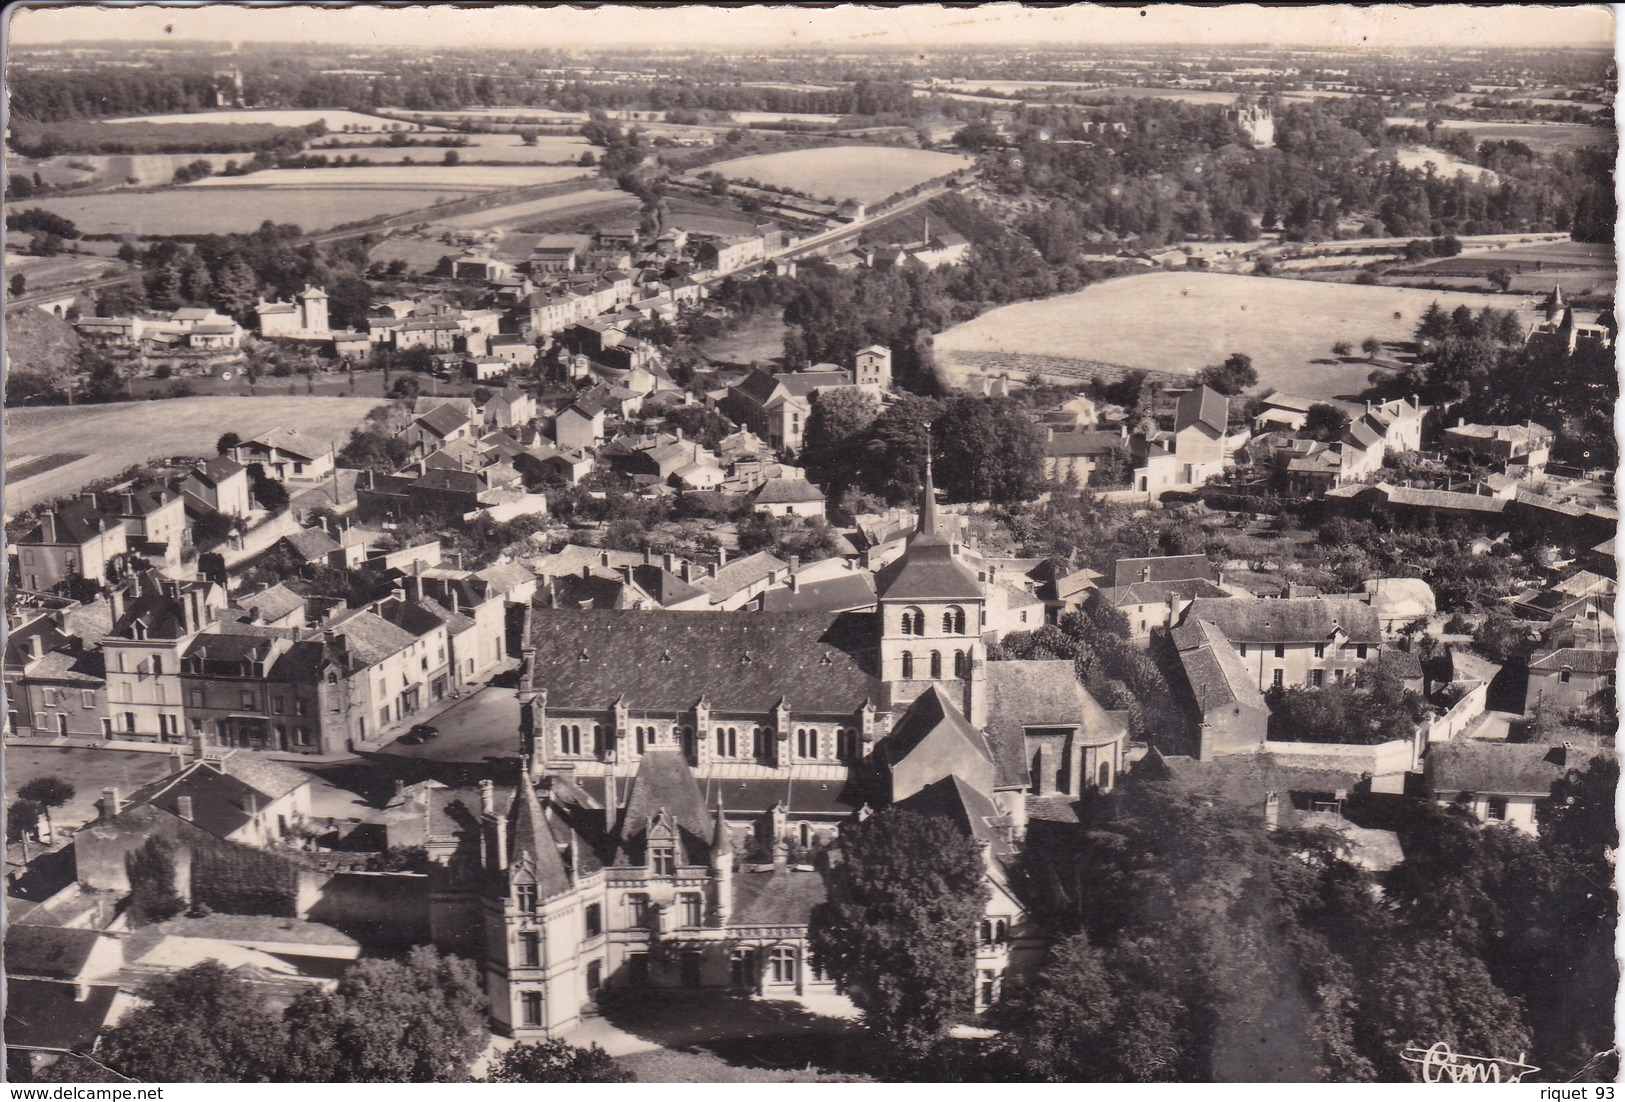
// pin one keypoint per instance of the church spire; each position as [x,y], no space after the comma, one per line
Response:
[929,523]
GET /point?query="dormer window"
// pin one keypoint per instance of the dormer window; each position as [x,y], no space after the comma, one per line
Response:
[662,859]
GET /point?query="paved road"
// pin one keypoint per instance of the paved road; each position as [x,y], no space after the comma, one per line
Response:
[478,727]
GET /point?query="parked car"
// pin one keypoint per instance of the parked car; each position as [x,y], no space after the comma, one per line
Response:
[419,734]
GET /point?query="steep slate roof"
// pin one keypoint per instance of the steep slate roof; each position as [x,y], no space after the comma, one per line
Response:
[784,897]
[42,1016]
[739,574]
[802,383]
[786,491]
[952,799]
[443,420]
[48,952]
[76,523]
[1161,568]
[928,569]
[664,782]
[664,586]
[311,543]
[371,638]
[1287,620]
[535,852]
[272,602]
[1217,677]
[1499,768]
[220,803]
[1203,406]
[663,660]
[217,469]
[1039,693]
[85,669]
[758,386]
[932,715]
[1145,593]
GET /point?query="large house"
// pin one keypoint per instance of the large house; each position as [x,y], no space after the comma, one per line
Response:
[784,724]
[72,542]
[287,455]
[776,407]
[1310,641]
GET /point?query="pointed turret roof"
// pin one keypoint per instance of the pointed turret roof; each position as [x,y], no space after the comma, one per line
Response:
[664,784]
[930,523]
[535,849]
[722,843]
[928,568]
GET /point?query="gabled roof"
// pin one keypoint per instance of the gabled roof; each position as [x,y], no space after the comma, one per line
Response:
[739,574]
[1500,768]
[664,586]
[1161,568]
[759,387]
[1148,593]
[371,639]
[931,718]
[536,856]
[973,813]
[1203,406]
[312,543]
[221,804]
[290,442]
[786,491]
[802,383]
[663,660]
[1039,693]
[216,470]
[1287,620]
[75,523]
[443,420]
[1215,672]
[48,952]
[665,784]
[849,591]
[42,1016]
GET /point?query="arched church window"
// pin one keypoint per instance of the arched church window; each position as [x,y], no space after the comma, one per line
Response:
[846,744]
[727,742]
[908,666]
[600,739]
[762,744]
[953,621]
[806,835]
[913,621]
[961,667]
[1105,774]
[645,736]
[936,665]
[691,749]
[569,739]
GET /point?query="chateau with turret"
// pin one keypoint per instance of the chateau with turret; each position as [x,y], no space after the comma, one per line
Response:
[684,775]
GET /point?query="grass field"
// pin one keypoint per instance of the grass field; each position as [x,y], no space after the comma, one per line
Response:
[760,339]
[433,177]
[1581,269]
[234,209]
[1445,164]
[135,432]
[531,211]
[1542,137]
[335,119]
[498,148]
[863,172]
[1183,322]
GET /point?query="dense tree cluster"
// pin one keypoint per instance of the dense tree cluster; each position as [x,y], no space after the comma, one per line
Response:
[1375,707]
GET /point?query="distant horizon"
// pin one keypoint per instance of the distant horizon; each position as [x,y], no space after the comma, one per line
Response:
[674,28]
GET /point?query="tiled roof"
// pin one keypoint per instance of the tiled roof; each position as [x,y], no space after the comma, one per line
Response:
[739,574]
[784,897]
[1202,406]
[663,661]
[273,602]
[664,782]
[1577,660]
[76,523]
[1499,768]
[960,803]
[851,591]
[785,491]
[267,776]
[371,639]
[290,442]
[802,383]
[48,952]
[664,586]
[1161,568]
[216,470]
[1214,670]
[759,387]
[42,1016]
[1147,593]
[443,420]
[1063,444]
[1293,620]
[1039,693]
[220,802]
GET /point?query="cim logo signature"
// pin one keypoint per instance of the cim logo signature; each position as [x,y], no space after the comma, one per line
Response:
[1442,1065]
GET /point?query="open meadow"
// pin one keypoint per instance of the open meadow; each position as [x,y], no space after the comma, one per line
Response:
[234,209]
[493,148]
[125,433]
[1580,269]
[1542,137]
[466,179]
[1182,322]
[866,173]
[334,119]
[1444,164]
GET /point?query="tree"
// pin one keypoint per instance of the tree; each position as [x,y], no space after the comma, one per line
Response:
[421,1020]
[1342,348]
[151,870]
[1235,375]
[1371,346]
[271,494]
[899,931]
[203,1025]
[406,387]
[1501,279]
[555,1061]
[227,441]
[19,284]
[48,793]
[210,530]
[1325,422]
[22,821]
[236,288]
[450,158]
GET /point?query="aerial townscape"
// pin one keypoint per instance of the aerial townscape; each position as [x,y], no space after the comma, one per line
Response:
[543,547]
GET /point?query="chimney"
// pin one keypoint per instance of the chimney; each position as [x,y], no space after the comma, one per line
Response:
[111,803]
[183,807]
[47,527]
[36,646]
[129,504]
[686,571]
[488,799]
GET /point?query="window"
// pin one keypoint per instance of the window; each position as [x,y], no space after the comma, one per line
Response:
[806,743]
[662,860]
[645,736]
[530,1003]
[691,749]
[1564,676]
[1244,650]
[908,666]
[637,910]
[129,722]
[727,742]
[569,739]
[806,835]
[1024,617]
[524,896]
[953,621]
[302,735]
[1280,650]
[781,964]
[762,743]
[987,932]
[248,699]
[693,912]
[1320,650]
[383,716]
[987,990]
[595,976]
[846,744]
[1317,678]
[742,967]
[530,949]
[913,621]
[1280,677]
[1105,775]
[1337,675]
[1359,651]
[936,665]
[1495,808]
[961,666]
[276,705]
[600,739]
[87,698]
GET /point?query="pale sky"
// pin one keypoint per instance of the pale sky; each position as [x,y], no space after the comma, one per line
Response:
[768,28]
